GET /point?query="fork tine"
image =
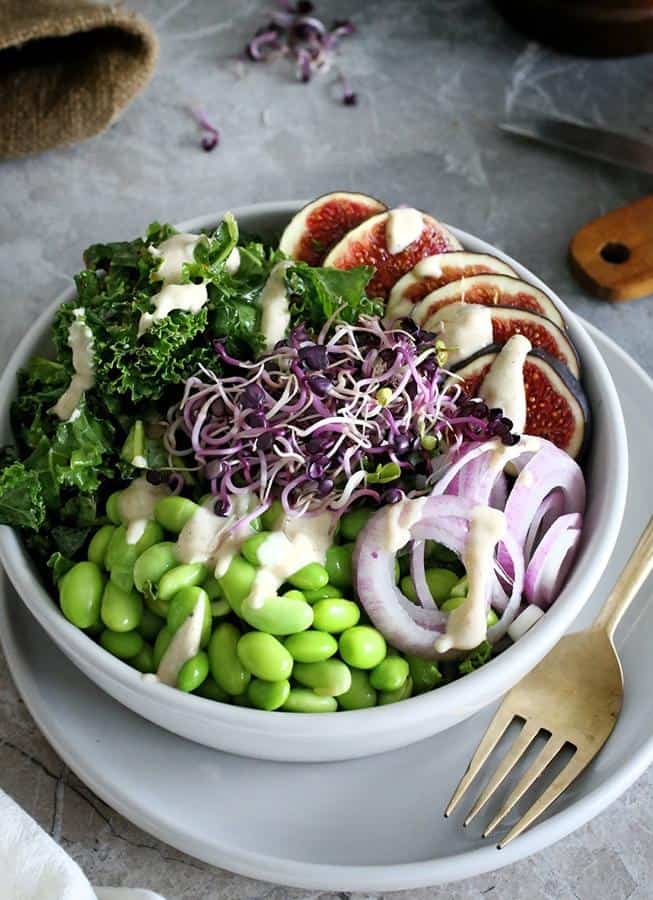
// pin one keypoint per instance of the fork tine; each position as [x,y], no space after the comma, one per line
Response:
[562,781]
[517,749]
[502,718]
[542,760]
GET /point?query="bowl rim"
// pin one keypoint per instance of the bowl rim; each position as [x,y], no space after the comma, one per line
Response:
[491,680]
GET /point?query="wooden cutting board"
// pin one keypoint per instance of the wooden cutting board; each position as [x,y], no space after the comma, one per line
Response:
[612,256]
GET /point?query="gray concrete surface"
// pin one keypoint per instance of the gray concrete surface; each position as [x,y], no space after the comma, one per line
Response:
[433,80]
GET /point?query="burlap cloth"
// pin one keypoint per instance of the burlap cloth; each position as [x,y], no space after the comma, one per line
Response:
[66,70]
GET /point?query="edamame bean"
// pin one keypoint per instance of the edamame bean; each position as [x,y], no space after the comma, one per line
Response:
[323,593]
[121,555]
[310,578]
[97,549]
[113,508]
[361,694]
[461,588]
[144,660]
[153,563]
[193,672]
[230,674]
[352,523]
[279,615]
[328,679]
[390,674]
[440,582]
[492,618]
[404,692]
[123,644]
[303,700]
[186,575]
[236,583]
[268,694]
[151,624]
[362,647]
[264,656]
[252,545]
[173,512]
[311,646]
[212,690]
[408,588]
[270,518]
[335,615]
[182,606]
[425,673]
[161,644]
[219,608]
[338,565]
[121,610]
[212,588]
[80,594]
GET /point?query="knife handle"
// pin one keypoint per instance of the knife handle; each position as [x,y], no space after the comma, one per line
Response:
[612,256]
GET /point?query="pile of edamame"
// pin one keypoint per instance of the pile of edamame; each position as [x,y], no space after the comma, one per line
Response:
[311,649]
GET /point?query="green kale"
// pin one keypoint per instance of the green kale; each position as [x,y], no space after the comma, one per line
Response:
[318,294]
[59,564]
[475,658]
[21,498]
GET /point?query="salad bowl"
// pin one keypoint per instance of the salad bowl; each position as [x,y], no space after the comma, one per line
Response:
[309,737]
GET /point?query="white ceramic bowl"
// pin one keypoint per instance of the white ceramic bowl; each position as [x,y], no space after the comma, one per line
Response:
[313,738]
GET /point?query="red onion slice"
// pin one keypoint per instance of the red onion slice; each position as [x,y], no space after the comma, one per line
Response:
[548,569]
[444,519]
[418,574]
[549,510]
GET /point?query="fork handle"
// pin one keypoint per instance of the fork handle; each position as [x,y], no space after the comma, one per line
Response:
[629,582]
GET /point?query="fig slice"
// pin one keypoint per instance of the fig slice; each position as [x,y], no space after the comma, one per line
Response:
[435,271]
[556,405]
[321,224]
[489,290]
[509,320]
[367,245]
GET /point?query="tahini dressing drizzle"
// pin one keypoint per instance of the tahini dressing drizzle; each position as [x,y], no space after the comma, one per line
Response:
[80,340]
[503,386]
[136,506]
[275,312]
[403,226]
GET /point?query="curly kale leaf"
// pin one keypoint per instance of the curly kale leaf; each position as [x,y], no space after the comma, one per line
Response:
[21,498]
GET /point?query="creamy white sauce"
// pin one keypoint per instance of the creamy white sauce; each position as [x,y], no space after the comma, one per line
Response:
[503,386]
[430,267]
[136,506]
[232,262]
[403,226]
[295,543]
[212,539]
[465,328]
[173,253]
[399,519]
[467,624]
[139,462]
[184,645]
[80,341]
[275,313]
[187,297]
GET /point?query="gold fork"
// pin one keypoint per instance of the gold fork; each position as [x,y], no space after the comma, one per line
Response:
[574,695]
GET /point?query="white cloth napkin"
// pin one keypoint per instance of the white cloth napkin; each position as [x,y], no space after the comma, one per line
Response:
[34,867]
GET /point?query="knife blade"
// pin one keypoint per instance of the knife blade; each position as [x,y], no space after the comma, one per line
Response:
[608,146]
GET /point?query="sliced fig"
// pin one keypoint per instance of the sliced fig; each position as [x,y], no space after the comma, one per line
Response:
[490,290]
[556,405]
[509,320]
[435,271]
[318,227]
[371,243]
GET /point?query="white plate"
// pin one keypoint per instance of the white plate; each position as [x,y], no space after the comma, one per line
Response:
[367,824]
